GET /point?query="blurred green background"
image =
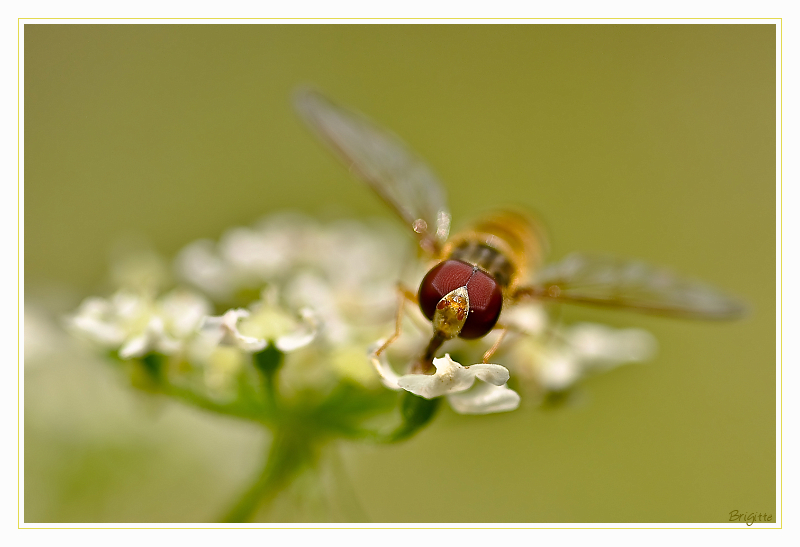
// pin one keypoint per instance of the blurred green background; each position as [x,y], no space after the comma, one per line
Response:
[652,141]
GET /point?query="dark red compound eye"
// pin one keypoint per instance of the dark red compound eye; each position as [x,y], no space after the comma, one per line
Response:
[485,295]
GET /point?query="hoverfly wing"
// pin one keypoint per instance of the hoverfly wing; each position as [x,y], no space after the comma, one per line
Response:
[629,284]
[384,162]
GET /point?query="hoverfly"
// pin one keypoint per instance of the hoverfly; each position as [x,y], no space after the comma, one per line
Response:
[491,264]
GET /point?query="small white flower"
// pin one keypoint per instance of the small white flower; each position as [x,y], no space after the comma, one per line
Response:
[312,291]
[225,331]
[604,346]
[302,335]
[153,338]
[289,330]
[251,330]
[558,360]
[451,377]
[136,324]
[183,312]
[454,381]
[97,319]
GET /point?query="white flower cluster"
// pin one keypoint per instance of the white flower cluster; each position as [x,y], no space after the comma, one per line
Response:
[346,271]
[136,324]
[327,292]
[554,357]
[328,289]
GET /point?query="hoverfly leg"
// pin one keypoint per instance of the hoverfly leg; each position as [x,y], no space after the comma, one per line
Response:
[505,329]
[403,295]
[490,352]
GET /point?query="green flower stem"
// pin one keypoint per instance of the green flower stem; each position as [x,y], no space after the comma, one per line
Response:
[268,361]
[261,408]
[415,412]
[288,454]
[230,409]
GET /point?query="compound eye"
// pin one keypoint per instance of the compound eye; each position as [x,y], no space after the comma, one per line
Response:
[485,304]
[443,278]
[485,295]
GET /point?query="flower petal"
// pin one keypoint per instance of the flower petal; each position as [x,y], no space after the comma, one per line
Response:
[183,311]
[303,335]
[95,320]
[153,337]
[606,346]
[493,374]
[225,328]
[451,377]
[559,368]
[484,399]
[381,363]
[135,347]
[530,318]
[145,341]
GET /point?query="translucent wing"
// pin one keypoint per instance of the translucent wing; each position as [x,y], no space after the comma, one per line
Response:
[384,162]
[629,284]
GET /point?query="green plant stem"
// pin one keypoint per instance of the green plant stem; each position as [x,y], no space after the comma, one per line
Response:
[229,409]
[268,362]
[288,454]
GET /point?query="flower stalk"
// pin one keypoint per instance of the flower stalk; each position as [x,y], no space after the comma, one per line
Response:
[289,453]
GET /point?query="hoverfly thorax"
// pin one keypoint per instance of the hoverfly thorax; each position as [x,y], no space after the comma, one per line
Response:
[507,245]
[486,261]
